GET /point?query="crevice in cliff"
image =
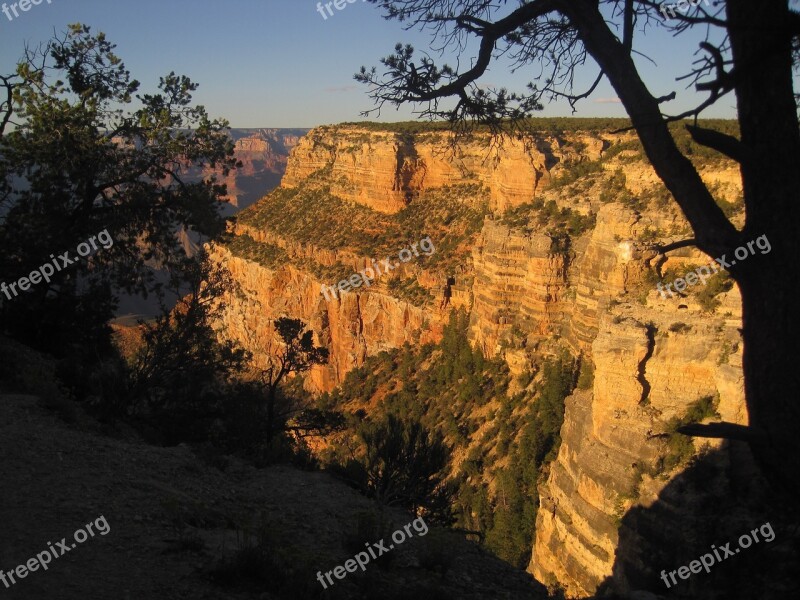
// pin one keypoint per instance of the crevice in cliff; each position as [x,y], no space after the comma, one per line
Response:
[407,164]
[561,246]
[359,319]
[650,333]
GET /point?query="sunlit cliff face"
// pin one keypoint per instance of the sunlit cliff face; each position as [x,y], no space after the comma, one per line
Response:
[595,295]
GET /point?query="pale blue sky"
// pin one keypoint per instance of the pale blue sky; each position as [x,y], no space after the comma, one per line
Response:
[278,63]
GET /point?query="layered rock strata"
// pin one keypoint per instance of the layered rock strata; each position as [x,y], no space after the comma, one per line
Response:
[386,171]
[653,356]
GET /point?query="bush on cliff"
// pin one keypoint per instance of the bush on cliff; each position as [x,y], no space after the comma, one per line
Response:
[404,464]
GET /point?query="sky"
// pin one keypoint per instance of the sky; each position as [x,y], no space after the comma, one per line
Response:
[279,63]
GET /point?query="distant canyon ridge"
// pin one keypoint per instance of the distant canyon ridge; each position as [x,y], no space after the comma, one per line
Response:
[264,154]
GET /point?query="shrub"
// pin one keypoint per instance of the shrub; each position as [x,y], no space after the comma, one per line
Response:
[27,371]
[404,465]
[550,217]
[651,235]
[612,188]
[179,372]
[680,447]
[717,284]
[680,327]
[577,171]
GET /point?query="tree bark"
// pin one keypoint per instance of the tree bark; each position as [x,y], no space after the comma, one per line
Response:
[761,45]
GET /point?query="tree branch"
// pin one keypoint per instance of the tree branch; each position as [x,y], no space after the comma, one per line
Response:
[714,233]
[723,143]
[7,106]
[676,245]
[728,431]
[489,36]
[627,27]
[573,99]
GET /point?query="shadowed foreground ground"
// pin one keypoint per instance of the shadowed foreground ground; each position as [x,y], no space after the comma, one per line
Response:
[173,516]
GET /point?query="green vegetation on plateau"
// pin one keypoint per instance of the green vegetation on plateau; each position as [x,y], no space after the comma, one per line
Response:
[275,257]
[632,150]
[451,216]
[558,222]
[540,124]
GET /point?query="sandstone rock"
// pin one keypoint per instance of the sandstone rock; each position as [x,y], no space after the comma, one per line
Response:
[610,433]
[385,170]
[652,356]
[355,325]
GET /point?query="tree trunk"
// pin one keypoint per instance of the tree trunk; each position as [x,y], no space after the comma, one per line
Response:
[761,47]
[772,385]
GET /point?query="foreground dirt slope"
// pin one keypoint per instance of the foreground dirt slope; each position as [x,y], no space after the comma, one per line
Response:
[57,477]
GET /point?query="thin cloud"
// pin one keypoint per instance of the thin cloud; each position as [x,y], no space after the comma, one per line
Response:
[607,100]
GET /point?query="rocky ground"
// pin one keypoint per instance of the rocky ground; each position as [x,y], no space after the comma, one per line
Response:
[179,524]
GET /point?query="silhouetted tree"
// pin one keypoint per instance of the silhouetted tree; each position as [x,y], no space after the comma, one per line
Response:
[181,360]
[296,354]
[757,51]
[405,465]
[78,162]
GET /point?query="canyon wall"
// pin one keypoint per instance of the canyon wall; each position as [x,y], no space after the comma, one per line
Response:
[386,170]
[653,355]
[352,326]
[648,368]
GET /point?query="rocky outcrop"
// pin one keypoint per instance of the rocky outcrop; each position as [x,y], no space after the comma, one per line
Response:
[385,170]
[352,326]
[519,281]
[648,368]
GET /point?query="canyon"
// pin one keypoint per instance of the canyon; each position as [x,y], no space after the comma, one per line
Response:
[549,242]
[263,154]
